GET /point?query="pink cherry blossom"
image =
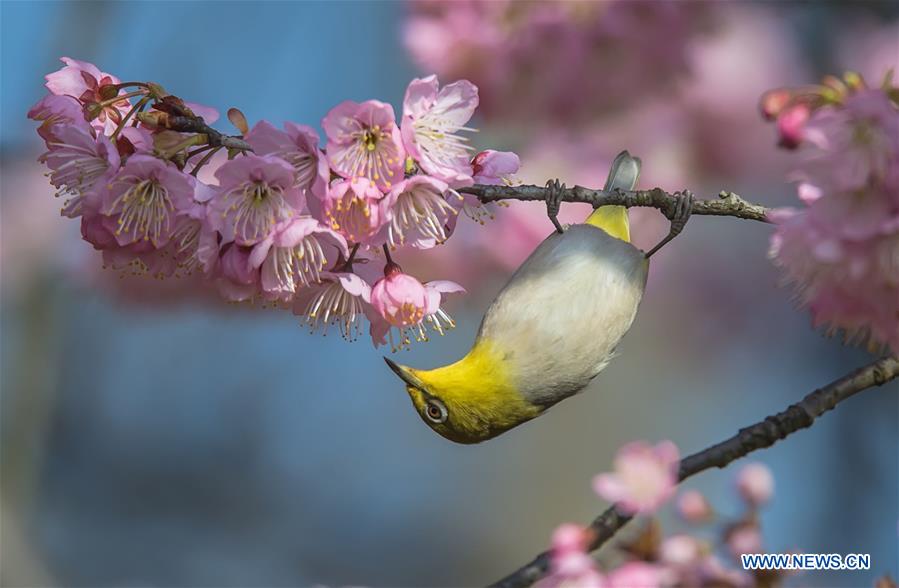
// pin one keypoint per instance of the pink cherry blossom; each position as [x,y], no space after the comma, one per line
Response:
[142,199]
[340,299]
[354,209]
[432,118]
[570,564]
[397,304]
[495,167]
[364,142]
[79,162]
[236,280]
[255,193]
[755,483]
[298,145]
[693,507]
[644,478]
[294,255]
[85,82]
[57,112]
[419,212]
[194,244]
[399,298]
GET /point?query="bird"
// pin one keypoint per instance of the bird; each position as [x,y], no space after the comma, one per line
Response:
[552,328]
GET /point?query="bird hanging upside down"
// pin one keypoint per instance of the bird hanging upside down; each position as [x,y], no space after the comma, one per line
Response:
[551,329]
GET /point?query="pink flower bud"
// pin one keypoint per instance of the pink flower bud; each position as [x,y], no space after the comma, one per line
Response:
[755,483]
[791,125]
[399,298]
[693,507]
[773,102]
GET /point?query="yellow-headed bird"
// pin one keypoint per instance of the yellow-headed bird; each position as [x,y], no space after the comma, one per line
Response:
[551,329]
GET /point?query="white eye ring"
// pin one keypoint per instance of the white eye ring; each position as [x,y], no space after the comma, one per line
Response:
[435,411]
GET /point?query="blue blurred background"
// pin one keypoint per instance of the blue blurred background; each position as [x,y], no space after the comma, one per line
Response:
[179,442]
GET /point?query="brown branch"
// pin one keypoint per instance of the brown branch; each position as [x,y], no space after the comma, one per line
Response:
[727,203]
[752,438]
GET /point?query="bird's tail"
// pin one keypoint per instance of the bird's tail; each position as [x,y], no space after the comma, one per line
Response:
[613,219]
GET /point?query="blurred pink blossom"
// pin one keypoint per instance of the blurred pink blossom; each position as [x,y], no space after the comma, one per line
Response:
[841,250]
[531,57]
[570,564]
[645,477]
[755,483]
[693,507]
[743,539]
[680,551]
[791,125]
[636,574]
[364,142]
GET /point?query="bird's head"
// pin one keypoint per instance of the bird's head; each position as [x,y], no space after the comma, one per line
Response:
[464,402]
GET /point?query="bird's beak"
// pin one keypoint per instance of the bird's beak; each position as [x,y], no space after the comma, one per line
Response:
[405,374]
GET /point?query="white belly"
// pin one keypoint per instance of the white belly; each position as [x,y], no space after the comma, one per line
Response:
[562,314]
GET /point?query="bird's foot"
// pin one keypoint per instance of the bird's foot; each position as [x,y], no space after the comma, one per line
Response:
[554,202]
[683,207]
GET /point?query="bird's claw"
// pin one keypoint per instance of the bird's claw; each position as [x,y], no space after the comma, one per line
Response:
[683,207]
[554,202]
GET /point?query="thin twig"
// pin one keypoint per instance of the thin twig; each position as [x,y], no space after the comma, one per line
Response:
[752,438]
[727,203]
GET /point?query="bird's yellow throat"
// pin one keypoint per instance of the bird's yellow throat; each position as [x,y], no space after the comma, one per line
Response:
[479,393]
[613,220]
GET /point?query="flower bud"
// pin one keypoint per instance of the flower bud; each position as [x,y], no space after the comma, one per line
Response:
[755,483]
[773,102]
[791,125]
[693,507]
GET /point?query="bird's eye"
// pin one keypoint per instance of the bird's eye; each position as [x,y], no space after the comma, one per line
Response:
[435,411]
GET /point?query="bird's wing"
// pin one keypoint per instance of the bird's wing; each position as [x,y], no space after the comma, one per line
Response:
[623,176]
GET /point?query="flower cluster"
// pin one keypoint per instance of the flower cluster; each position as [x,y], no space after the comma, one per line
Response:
[841,247]
[531,57]
[643,480]
[281,220]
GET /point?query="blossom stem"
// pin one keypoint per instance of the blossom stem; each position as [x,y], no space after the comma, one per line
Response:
[189,142]
[134,109]
[352,257]
[119,98]
[204,160]
[761,435]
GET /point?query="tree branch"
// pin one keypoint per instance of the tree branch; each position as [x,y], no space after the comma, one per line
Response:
[727,203]
[754,437]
